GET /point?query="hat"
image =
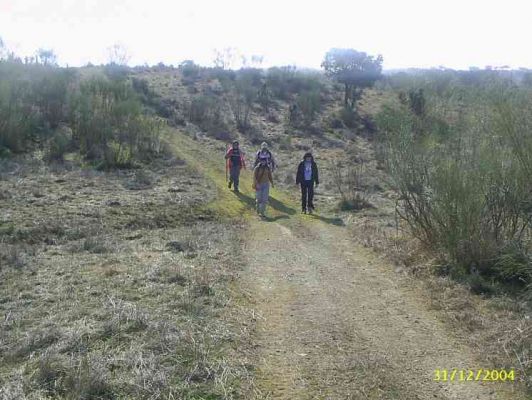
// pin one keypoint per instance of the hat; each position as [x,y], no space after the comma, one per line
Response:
[264,145]
[308,154]
[235,142]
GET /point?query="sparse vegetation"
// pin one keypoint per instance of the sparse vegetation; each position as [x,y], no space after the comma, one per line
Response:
[51,108]
[464,191]
[115,263]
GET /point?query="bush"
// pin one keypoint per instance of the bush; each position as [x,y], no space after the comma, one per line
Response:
[191,71]
[207,113]
[309,104]
[349,117]
[33,101]
[284,82]
[349,181]
[466,194]
[108,123]
[40,103]
[58,145]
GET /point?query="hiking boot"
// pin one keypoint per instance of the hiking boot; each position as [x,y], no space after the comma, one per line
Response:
[236,190]
[303,211]
[310,210]
[229,184]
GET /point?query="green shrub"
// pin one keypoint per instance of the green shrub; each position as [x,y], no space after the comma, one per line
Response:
[466,193]
[349,117]
[58,145]
[33,101]
[310,105]
[109,125]
[284,82]
[207,112]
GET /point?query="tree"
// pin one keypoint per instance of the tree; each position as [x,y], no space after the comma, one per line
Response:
[46,56]
[3,49]
[354,69]
[225,58]
[118,54]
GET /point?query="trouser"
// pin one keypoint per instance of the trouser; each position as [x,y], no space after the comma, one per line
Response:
[262,193]
[235,175]
[307,194]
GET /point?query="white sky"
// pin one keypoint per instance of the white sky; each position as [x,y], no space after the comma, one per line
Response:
[408,33]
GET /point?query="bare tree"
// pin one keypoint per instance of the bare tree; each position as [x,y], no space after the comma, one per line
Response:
[225,58]
[3,49]
[118,54]
[256,60]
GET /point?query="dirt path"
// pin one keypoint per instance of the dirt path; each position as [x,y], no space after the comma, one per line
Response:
[337,324]
[334,321]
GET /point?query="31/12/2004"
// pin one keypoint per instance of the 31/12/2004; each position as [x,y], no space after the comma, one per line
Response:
[467,375]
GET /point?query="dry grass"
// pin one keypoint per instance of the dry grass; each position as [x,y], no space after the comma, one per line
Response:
[498,327]
[114,286]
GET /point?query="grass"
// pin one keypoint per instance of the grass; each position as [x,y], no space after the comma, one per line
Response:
[227,203]
[98,299]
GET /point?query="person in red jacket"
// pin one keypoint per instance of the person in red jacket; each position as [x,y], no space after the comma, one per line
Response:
[235,162]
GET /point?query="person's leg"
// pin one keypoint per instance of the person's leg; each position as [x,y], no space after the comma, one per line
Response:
[260,198]
[232,175]
[257,198]
[303,196]
[265,196]
[237,177]
[311,195]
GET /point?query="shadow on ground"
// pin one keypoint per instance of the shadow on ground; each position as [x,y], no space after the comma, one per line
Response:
[272,202]
[247,200]
[286,210]
[279,206]
[276,218]
[328,220]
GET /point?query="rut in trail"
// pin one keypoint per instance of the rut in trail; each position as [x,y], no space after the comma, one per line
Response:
[336,323]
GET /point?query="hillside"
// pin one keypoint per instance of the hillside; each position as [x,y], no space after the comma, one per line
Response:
[156,281]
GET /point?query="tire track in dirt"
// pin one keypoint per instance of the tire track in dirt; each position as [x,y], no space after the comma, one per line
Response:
[338,324]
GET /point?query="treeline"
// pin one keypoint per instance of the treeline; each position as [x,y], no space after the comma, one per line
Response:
[223,100]
[99,112]
[61,110]
[459,150]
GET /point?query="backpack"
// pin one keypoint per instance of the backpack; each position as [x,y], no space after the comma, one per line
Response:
[268,157]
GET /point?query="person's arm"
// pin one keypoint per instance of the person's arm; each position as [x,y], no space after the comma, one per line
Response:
[270,177]
[317,176]
[228,154]
[298,175]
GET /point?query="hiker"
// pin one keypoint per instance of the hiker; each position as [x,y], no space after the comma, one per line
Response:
[265,154]
[307,175]
[262,177]
[235,162]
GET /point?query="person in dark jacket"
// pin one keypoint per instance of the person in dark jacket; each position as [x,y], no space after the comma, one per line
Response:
[235,162]
[307,176]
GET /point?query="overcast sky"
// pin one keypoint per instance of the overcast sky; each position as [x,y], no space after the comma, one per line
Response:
[408,33]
